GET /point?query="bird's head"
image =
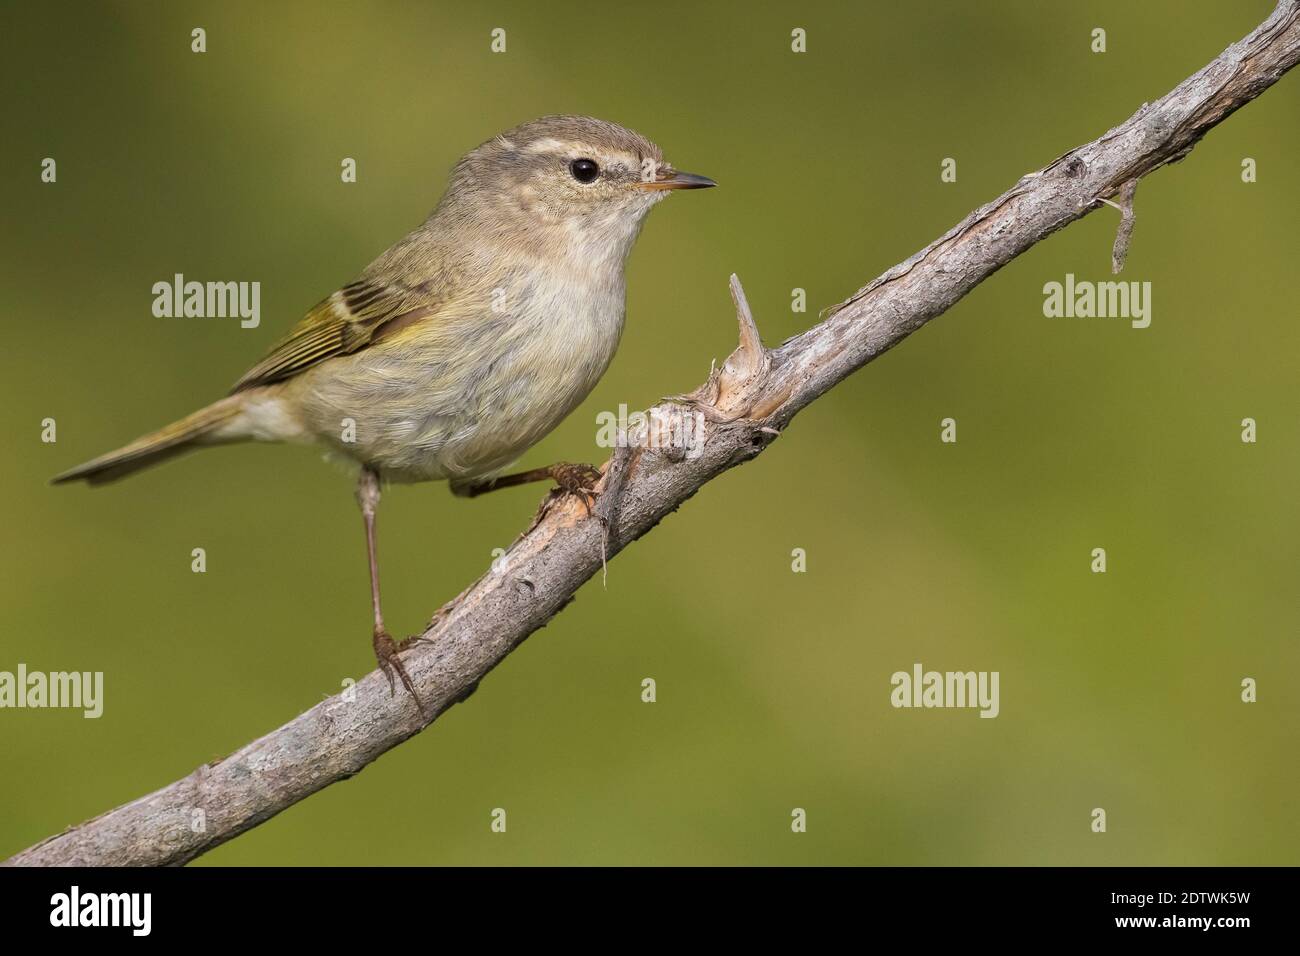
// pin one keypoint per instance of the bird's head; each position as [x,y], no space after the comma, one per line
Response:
[564,179]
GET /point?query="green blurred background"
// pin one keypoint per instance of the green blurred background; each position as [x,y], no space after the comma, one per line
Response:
[1118,690]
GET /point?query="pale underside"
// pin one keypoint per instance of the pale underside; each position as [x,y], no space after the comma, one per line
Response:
[452,370]
[459,395]
[474,336]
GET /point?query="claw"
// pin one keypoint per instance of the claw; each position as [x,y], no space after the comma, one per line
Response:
[387,653]
[415,639]
[577,480]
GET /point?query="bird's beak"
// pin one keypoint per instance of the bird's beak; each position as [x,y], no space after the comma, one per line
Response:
[670,179]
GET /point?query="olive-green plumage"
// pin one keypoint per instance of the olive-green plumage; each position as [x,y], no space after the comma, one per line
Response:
[472,337]
[463,344]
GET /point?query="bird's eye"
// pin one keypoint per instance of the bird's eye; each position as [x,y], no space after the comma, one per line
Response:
[584,170]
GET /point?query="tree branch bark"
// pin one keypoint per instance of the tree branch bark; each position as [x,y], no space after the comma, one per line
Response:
[744,405]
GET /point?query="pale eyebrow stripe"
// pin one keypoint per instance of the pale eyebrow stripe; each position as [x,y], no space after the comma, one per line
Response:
[548,145]
[555,147]
[552,145]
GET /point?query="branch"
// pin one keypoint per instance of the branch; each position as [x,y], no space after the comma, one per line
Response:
[743,407]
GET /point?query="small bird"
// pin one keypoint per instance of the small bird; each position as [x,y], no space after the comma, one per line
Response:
[463,344]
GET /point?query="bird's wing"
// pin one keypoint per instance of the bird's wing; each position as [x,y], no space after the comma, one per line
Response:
[346,322]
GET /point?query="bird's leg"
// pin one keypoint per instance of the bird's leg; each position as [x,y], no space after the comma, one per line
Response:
[386,649]
[577,480]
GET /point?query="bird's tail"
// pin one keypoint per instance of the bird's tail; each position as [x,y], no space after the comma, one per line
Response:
[201,428]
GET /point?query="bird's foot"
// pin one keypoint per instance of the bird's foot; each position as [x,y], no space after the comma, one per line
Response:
[576,480]
[409,642]
[387,653]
